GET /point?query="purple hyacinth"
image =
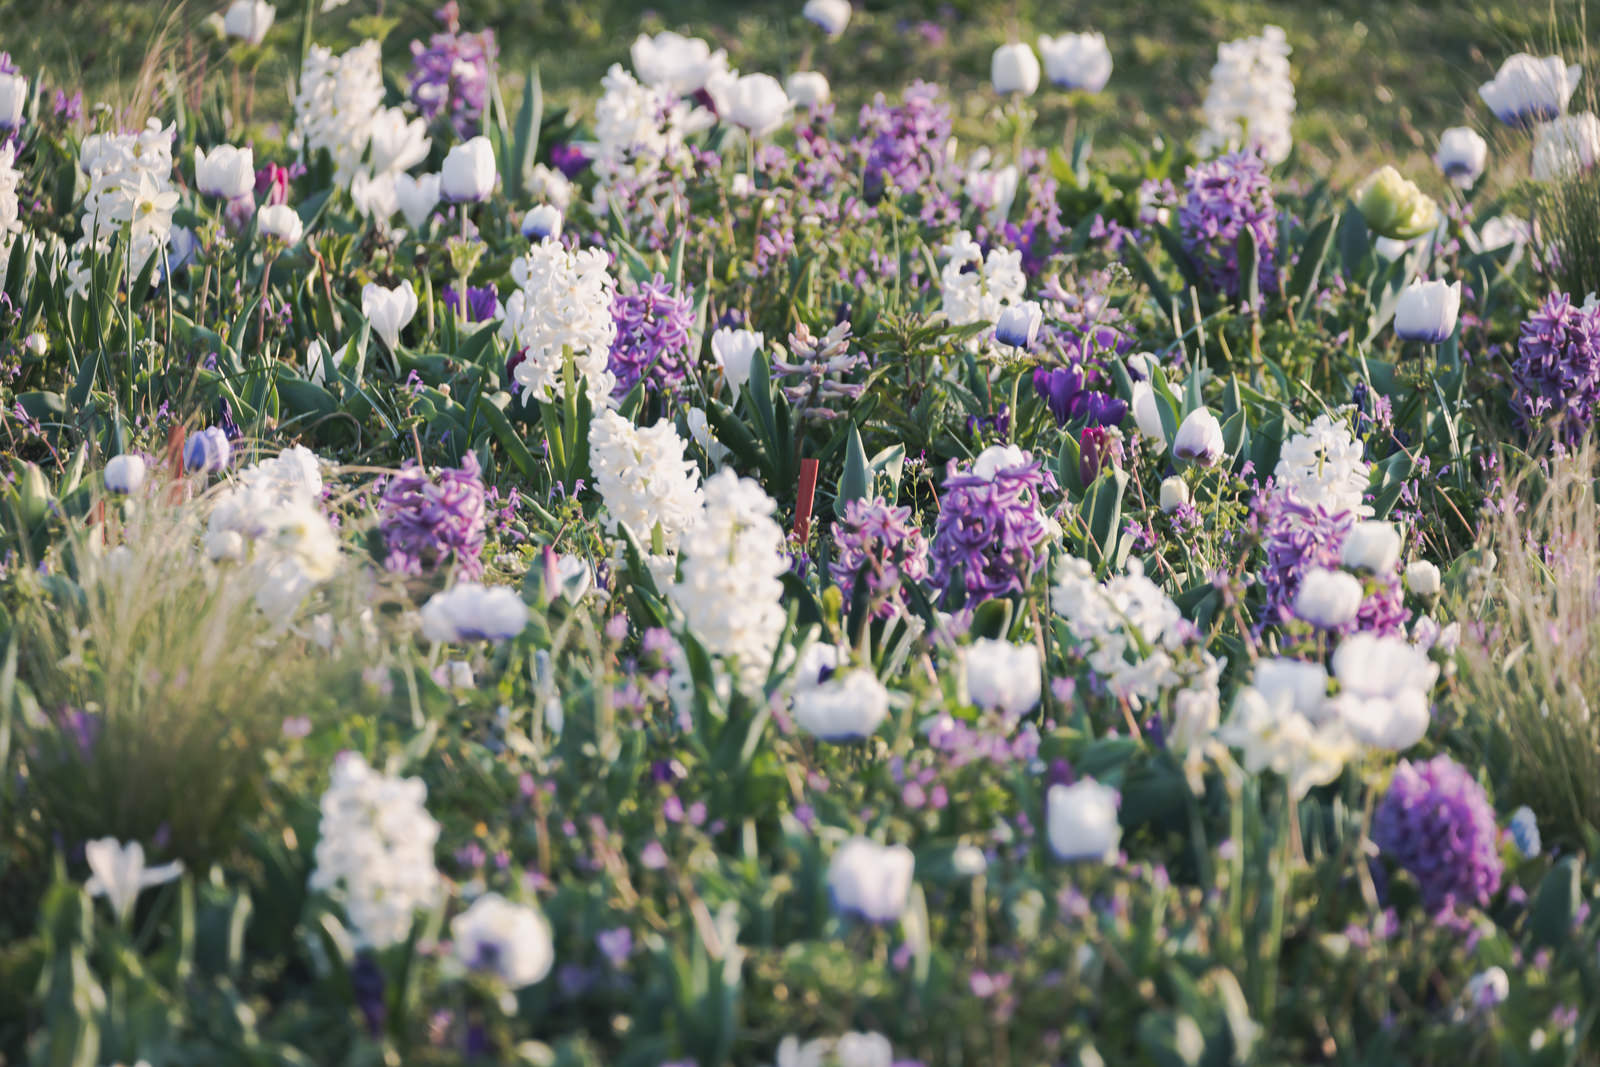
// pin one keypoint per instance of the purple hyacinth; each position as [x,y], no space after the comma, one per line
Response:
[1299,539]
[903,145]
[991,528]
[426,520]
[1071,399]
[1557,372]
[876,541]
[652,335]
[450,77]
[1226,197]
[1436,823]
[482,301]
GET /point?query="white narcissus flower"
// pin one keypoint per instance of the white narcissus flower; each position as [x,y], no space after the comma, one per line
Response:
[1372,546]
[397,143]
[870,880]
[1527,90]
[1384,684]
[807,88]
[1076,60]
[831,15]
[757,104]
[1081,821]
[734,351]
[541,222]
[1272,736]
[1422,578]
[118,873]
[14,94]
[280,222]
[1427,311]
[388,309]
[472,612]
[468,174]
[1014,69]
[1327,598]
[846,707]
[249,20]
[1462,155]
[1566,147]
[226,172]
[125,473]
[417,197]
[1001,676]
[700,433]
[510,941]
[1199,439]
[1019,324]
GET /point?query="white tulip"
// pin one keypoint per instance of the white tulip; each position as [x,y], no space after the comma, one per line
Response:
[1427,311]
[807,88]
[1566,147]
[510,941]
[541,222]
[870,880]
[388,309]
[1327,598]
[374,196]
[1372,546]
[845,707]
[417,197]
[1462,155]
[1174,493]
[757,103]
[280,221]
[1003,677]
[226,173]
[117,872]
[1147,413]
[1019,324]
[125,473]
[248,20]
[1527,90]
[1081,821]
[471,612]
[1076,60]
[1014,69]
[1423,579]
[675,63]
[468,174]
[1199,438]
[13,100]
[734,351]
[831,15]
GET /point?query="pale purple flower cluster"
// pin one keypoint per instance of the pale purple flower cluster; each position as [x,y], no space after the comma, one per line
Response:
[427,521]
[1298,539]
[450,77]
[1557,372]
[1436,823]
[816,372]
[992,530]
[1226,197]
[903,145]
[652,336]
[876,542]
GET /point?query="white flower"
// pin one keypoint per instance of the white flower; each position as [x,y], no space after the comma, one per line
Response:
[1002,676]
[248,20]
[1199,438]
[1292,685]
[870,880]
[807,88]
[1390,248]
[1076,60]
[1566,147]
[1383,690]
[1250,103]
[757,104]
[991,189]
[680,65]
[1327,598]
[281,222]
[551,186]
[848,1050]
[14,93]
[1147,413]
[336,103]
[541,222]
[1272,736]
[644,479]
[845,707]
[374,851]
[1019,324]
[226,173]
[472,612]
[468,174]
[117,872]
[1323,467]
[417,197]
[130,192]
[1014,69]
[374,197]
[638,129]
[831,15]
[1174,493]
[1372,546]
[1426,311]
[700,433]
[397,144]
[1081,821]
[388,309]
[562,301]
[510,941]
[1462,155]
[979,294]
[1128,629]
[1527,90]
[734,351]
[1422,578]
[125,473]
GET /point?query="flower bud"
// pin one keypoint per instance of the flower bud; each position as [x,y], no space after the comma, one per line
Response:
[1076,61]
[1422,578]
[1526,91]
[1394,207]
[832,16]
[1081,820]
[1019,324]
[1328,599]
[125,473]
[206,450]
[1426,311]
[468,174]
[807,88]
[280,222]
[1199,438]
[541,222]
[1462,155]
[1014,69]
[1174,493]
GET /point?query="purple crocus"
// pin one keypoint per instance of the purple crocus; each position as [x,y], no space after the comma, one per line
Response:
[428,520]
[1436,823]
[1225,198]
[482,301]
[1070,400]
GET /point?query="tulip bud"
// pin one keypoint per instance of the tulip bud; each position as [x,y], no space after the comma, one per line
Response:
[1462,155]
[36,343]
[248,20]
[468,174]
[1422,578]
[869,880]
[1372,546]
[1147,413]
[1174,493]
[1426,311]
[125,473]
[734,350]
[227,173]
[1097,447]
[206,450]
[1081,820]
[1019,324]
[757,103]
[1014,69]
[1199,439]
[807,88]
[1328,599]
[280,222]
[33,494]
[13,100]
[1394,206]
[541,222]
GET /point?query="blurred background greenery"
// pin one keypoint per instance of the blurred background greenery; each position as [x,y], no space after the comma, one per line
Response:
[1375,79]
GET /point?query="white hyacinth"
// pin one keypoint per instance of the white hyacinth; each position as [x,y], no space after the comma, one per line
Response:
[271,519]
[644,479]
[375,850]
[980,294]
[562,301]
[1323,467]
[336,104]
[1250,103]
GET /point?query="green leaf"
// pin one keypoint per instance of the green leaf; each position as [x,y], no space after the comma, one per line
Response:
[992,618]
[855,483]
[1555,906]
[1313,255]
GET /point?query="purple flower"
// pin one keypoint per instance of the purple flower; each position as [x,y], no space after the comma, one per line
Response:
[1070,399]
[875,542]
[1226,197]
[652,336]
[450,77]
[482,301]
[1557,372]
[616,945]
[206,450]
[1436,823]
[991,530]
[569,159]
[1299,539]
[426,521]
[904,144]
